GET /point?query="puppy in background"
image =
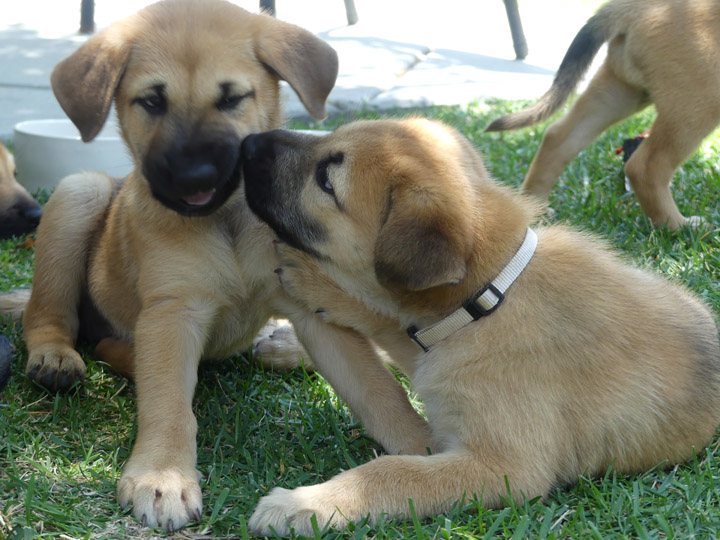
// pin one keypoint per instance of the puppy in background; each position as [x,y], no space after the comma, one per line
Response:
[665,52]
[19,212]
[540,356]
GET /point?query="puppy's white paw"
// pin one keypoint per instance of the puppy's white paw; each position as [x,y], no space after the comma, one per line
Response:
[166,498]
[270,326]
[696,223]
[285,509]
[281,349]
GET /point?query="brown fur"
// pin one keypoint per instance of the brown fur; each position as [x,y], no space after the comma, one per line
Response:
[587,364]
[665,52]
[160,289]
[19,212]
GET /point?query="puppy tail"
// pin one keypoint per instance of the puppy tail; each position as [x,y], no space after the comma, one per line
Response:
[12,303]
[576,62]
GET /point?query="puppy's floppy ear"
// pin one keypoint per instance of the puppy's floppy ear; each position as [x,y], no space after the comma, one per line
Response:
[417,249]
[84,83]
[302,59]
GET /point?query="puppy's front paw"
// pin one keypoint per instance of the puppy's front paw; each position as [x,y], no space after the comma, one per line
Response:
[285,509]
[56,367]
[696,223]
[166,498]
[305,280]
[281,349]
[298,271]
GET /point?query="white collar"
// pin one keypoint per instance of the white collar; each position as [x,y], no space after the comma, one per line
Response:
[483,303]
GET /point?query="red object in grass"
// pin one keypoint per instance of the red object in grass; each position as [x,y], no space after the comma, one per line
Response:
[625,143]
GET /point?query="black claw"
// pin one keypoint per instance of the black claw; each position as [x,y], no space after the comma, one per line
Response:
[170,526]
[143,521]
[158,493]
[320,310]
[278,271]
[197,514]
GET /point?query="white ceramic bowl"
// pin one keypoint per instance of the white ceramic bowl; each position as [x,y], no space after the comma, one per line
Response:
[48,150]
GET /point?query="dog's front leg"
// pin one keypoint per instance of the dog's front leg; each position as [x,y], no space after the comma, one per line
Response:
[353,368]
[72,218]
[160,479]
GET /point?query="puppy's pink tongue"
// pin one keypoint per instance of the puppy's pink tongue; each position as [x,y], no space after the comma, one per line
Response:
[200,198]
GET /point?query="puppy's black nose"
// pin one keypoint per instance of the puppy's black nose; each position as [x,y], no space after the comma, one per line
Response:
[32,214]
[200,174]
[257,146]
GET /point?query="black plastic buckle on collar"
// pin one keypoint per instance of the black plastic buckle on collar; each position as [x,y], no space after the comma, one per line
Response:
[476,310]
[411,332]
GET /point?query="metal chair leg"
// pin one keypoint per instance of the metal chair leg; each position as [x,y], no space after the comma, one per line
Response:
[516,29]
[352,16]
[268,6]
[87,16]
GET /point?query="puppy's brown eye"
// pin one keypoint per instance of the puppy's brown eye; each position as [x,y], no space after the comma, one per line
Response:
[154,104]
[230,102]
[323,180]
[321,173]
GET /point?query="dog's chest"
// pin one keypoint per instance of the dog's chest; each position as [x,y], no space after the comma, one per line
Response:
[246,286]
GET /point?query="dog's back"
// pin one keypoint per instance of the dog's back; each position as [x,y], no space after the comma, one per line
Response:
[624,25]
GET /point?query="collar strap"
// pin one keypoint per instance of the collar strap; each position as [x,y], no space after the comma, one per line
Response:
[483,303]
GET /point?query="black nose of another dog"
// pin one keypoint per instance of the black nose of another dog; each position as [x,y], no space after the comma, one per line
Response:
[32,214]
[258,147]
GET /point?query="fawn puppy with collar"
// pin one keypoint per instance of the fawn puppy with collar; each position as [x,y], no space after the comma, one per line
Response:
[539,355]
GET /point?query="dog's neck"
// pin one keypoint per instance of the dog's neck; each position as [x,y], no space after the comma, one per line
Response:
[505,218]
[483,303]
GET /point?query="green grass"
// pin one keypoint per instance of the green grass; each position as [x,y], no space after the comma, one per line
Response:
[60,456]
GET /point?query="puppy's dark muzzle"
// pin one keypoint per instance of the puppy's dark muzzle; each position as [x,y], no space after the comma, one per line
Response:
[265,148]
[21,218]
[275,164]
[259,148]
[261,153]
[195,178]
[258,156]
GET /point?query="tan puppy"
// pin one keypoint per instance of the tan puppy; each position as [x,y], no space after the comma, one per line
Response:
[19,212]
[665,52]
[586,364]
[169,263]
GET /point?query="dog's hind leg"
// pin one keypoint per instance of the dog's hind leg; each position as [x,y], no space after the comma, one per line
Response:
[607,100]
[674,136]
[118,354]
[71,220]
